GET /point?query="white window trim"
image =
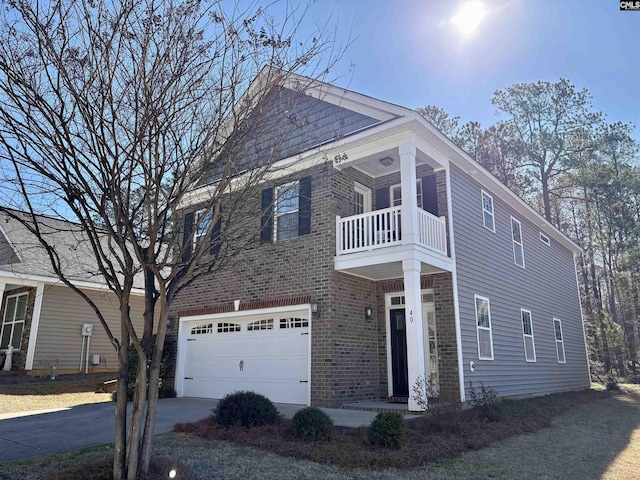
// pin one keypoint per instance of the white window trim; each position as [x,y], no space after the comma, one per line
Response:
[418,186]
[196,223]
[545,239]
[366,194]
[276,215]
[478,328]
[492,212]
[519,244]
[13,322]
[561,342]
[524,336]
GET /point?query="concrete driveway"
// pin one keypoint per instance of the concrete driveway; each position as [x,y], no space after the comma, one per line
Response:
[34,434]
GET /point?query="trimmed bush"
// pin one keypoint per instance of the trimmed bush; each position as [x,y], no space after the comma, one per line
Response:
[388,430]
[166,392]
[245,409]
[311,422]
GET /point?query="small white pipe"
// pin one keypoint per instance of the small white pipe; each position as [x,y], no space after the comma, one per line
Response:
[86,365]
[81,353]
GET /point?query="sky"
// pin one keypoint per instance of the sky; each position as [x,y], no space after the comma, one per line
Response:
[408,52]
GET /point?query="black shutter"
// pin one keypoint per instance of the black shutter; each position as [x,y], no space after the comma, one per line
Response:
[266,223]
[430,194]
[187,241]
[215,235]
[382,198]
[304,207]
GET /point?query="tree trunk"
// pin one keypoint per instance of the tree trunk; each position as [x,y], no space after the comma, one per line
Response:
[137,414]
[120,443]
[154,379]
[544,180]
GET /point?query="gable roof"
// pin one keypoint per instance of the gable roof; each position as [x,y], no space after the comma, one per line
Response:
[285,123]
[31,259]
[389,118]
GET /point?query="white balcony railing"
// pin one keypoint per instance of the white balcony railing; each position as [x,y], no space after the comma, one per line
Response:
[381,228]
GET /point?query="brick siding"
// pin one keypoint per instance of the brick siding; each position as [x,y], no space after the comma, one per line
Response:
[348,352]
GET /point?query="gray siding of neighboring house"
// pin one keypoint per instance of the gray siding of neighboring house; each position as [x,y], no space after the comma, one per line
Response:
[59,341]
[546,286]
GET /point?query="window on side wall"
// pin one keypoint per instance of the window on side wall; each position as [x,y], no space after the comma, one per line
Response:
[527,334]
[557,327]
[483,325]
[15,313]
[516,236]
[488,217]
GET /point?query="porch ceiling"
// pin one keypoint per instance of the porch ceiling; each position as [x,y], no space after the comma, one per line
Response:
[372,166]
[387,271]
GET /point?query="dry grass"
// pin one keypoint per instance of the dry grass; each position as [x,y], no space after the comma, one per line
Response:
[593,439]
[430,438]
[25,394]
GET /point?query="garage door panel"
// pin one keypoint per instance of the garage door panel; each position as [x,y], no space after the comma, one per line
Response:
[272,362]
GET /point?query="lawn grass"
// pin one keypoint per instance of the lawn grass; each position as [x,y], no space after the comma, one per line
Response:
[25,394]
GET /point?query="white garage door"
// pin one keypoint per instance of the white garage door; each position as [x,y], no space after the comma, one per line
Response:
[268,354]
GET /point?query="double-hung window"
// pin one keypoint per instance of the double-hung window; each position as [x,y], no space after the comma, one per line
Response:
[286,211]
[202,222]
[557,327]
[15,313]
[396,194]
[516,236]
[488,218]
[287,207]
[483,324]
[527,334]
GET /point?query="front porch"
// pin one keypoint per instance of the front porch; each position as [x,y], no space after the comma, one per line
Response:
[400,236]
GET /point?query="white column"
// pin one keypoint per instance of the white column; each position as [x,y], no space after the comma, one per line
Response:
[413,315]
[35,322]
[409,211]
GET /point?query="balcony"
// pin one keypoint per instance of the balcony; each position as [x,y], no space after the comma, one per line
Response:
[381,229]
[370,244]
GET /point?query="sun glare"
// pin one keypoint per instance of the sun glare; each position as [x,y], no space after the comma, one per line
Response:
[469,16]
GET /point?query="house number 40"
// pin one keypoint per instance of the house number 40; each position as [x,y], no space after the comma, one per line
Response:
[411,316]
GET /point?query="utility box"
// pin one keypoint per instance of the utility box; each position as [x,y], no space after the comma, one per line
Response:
[87,329]
[95,359]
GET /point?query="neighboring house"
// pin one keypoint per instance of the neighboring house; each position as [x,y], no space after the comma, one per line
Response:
[43,318]
[417,259]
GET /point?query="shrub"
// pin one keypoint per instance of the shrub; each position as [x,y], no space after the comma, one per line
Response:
[166,392]
[388,430]
[484,399]
[312,423]
[245,409]
[423,390]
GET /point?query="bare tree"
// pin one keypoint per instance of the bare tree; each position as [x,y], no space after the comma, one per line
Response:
[110,113]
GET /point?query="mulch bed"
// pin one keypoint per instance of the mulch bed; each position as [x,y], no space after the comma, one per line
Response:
[447,432]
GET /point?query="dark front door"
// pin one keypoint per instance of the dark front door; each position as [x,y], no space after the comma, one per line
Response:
[399,353]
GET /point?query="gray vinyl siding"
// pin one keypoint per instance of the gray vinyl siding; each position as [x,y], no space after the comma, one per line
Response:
[63,312]
[546,286]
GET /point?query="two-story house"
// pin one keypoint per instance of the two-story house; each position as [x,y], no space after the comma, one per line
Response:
[386,253]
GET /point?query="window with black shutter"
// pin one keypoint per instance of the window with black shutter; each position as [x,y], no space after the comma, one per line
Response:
[286,211]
